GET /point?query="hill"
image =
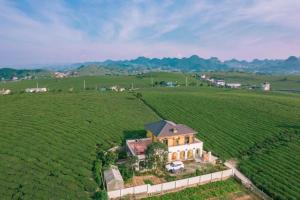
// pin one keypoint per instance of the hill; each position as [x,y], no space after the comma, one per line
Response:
[8,73]
[195,63]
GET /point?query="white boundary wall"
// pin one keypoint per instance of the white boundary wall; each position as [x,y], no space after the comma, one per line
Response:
[164,187]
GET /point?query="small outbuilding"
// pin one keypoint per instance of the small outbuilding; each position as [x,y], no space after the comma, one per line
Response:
[113,179]
[266,86]
[5,92]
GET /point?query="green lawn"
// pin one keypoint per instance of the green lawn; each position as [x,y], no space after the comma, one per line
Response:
[217,190]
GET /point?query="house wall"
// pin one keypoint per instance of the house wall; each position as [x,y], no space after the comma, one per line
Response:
[173,185]
[151,135]
[181,140]
[185,152]
[180,151]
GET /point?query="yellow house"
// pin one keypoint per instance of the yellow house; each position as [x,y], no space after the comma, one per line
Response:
[180,139]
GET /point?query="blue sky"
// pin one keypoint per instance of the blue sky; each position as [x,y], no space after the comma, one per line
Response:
[67,31]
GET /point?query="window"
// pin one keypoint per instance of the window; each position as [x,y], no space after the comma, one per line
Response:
[187,140]
[165,141]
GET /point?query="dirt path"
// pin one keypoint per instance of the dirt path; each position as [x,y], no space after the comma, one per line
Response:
[140,180]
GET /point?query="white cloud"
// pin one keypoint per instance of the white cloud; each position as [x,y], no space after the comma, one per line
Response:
[225,29]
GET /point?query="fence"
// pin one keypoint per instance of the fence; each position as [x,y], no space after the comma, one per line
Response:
[173,185]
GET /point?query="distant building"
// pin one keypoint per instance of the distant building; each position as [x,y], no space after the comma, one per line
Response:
[14,78]
[210,80]
[171,84]
[233,85]
[103,89]
[113,179]
[203,76]
[27,78]
[5,92]
[60,75]
[266,86]
[35,90]
[220,82]
[117,89]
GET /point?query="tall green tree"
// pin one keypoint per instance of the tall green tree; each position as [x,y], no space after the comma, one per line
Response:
[156,156]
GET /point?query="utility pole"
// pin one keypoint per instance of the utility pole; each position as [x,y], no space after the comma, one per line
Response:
[84,84]
[186,81]
[37,85]
[132,86]
[152,82]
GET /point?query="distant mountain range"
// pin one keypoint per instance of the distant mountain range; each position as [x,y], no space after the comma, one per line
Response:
[194,63]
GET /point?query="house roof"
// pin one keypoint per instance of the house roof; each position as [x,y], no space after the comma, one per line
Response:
[139,146]
[165,128]
[112,174]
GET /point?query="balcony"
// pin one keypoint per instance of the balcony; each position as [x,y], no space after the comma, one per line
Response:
[195,141]
[196,144]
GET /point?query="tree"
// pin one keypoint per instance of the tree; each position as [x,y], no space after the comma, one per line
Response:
[107,158]
[139,95]
[100,195]
[126,172]
[98,172]
[156,155]
[132,160]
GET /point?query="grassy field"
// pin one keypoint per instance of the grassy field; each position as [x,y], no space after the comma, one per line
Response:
[231,122]
[228,189]
[48,141]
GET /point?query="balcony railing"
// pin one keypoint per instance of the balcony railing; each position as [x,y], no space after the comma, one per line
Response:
[195,141]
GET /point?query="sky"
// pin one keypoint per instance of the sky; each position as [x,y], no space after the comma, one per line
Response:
[36,32]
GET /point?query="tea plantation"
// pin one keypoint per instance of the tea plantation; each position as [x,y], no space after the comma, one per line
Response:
[259,129]
[48,141]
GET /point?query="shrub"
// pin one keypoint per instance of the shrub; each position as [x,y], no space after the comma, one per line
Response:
[198,172]
[156,155]
[126,172]
[101,195]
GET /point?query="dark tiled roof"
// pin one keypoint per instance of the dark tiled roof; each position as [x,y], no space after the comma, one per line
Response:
[164,128]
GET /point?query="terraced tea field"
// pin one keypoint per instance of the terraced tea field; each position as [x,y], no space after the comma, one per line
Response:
[93,82]
[231,122]
[48,141]
[278,82]
[276,171]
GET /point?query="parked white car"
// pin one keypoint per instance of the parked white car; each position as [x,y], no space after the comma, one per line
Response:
[175,166]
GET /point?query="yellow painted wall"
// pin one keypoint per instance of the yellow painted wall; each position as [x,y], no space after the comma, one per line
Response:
[151,135]
[171,140]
